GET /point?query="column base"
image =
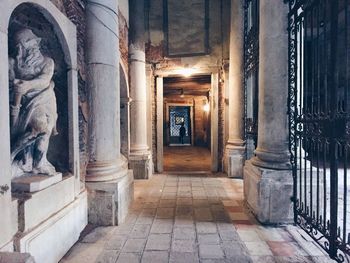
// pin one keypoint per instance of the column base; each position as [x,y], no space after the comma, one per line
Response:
[141,164]
[234,161]
[106,171]
[268,193]
[108,202]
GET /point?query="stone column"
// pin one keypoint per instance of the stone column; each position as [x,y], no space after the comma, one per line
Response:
[235,147]
[267,176]
[107,169]
[140,156]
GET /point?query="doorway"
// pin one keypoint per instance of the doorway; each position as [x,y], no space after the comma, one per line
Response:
[179,121]
[188,109]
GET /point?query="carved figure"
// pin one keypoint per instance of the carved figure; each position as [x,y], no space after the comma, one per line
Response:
[33,107]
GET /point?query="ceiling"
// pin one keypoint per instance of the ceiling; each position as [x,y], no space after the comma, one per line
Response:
[198,85]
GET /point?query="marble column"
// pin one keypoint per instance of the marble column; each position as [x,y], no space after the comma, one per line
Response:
[267,176]
[140,156]
[235,147]
[107,168]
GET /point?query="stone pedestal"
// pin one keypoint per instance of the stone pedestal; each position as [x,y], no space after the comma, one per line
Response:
[234,161]
[268,193]
[34,183]
[50,221]
[141,166]
[234,152]
[109,201]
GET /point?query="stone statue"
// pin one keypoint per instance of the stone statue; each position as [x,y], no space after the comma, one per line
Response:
[33,110]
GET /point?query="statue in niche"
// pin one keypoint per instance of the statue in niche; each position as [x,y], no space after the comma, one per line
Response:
[33,110]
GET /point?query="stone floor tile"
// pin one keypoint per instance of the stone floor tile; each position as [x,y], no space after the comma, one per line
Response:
[123,229]
[221,216]
[227,232]
[239,216]
[184,221]
[300,259]
[235,209]
[155,257]
[203,214]
[82,253]
[258,248]
[181,233]
[158,242]
[99,234]
[200,202]
[249,235]
[210,251]
[165,212]
[206,227]
[168,196]
[129,258]
[270,233]
[181,201]
[184,211]
[209,239]
[134,245]
[230,203]
[167,203]
[263,259]
[140,231]
[162,226]
[109,256]
[183,246]
[281,248]
[233,249]
[115,243]
[170,189]
[150,205]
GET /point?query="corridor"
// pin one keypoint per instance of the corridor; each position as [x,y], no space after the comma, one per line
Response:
[192,219]
[186,158]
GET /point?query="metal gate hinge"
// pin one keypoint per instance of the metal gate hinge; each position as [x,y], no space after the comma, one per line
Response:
[4,189]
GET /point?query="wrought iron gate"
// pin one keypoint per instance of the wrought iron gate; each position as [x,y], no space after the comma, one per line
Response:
[251,73]
[319,104]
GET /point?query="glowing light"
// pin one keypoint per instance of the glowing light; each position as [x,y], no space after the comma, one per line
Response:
[206,107]
[186,72]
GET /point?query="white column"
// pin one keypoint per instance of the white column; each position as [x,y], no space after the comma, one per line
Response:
[106,162]
[140,156]
[109,184]
[272,149]
[235,147]
[268,184]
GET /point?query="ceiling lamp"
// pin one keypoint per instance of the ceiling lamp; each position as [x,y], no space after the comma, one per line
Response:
[206,107]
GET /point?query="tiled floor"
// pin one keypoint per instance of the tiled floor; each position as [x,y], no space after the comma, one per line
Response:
[187,158]
[192,219]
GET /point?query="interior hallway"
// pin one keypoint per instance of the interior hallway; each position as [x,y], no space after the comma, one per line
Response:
[192,219]
[186,158]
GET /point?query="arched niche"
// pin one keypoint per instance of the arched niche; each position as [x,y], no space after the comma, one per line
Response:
[58,34]
[124,112]
[65,33]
